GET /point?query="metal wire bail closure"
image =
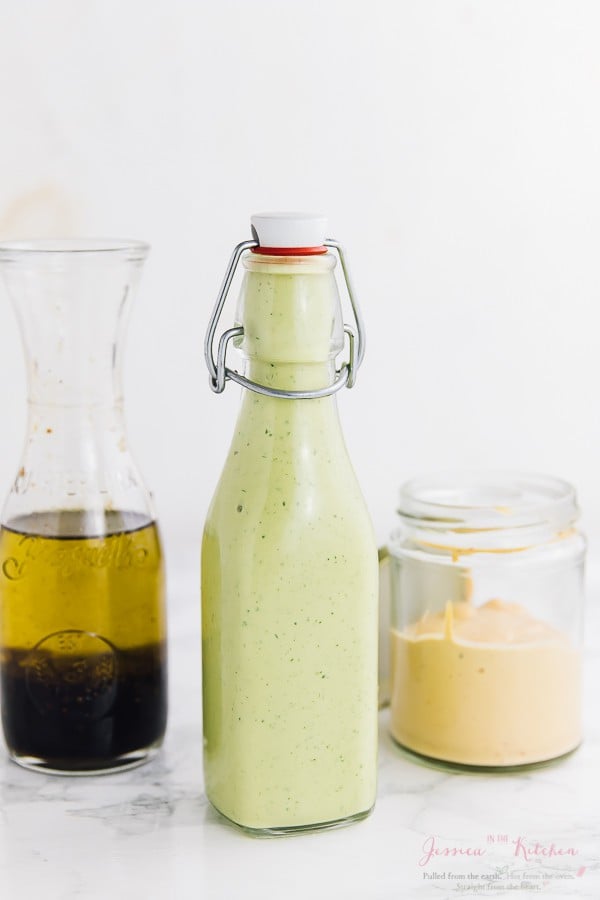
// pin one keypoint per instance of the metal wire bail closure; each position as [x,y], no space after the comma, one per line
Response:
[220,373]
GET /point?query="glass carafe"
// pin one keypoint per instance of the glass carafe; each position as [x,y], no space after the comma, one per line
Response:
[82,617]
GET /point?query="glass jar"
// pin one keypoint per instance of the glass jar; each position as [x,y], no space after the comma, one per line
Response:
[486,584]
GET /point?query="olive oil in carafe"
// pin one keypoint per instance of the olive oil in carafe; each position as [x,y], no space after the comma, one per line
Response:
[82,632]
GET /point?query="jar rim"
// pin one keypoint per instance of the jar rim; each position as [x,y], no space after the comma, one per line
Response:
[487,500]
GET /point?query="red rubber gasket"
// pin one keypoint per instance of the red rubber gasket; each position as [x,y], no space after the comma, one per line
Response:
[289,251]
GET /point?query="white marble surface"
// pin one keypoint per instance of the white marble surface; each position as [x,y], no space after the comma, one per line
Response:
[150,833]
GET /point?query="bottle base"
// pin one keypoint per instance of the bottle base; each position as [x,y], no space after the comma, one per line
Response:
[72,767]
[285,830]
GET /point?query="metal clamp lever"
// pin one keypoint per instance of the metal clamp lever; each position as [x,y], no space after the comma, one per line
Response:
[220,373]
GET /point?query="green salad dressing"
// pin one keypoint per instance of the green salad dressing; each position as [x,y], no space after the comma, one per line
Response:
[289,578]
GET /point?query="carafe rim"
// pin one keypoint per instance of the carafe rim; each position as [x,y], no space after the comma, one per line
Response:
[133,249]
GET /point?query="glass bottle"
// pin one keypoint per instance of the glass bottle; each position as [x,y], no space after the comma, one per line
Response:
[486,578]
[289,561]
[82,624]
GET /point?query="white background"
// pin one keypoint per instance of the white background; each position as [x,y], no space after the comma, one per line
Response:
[455,147]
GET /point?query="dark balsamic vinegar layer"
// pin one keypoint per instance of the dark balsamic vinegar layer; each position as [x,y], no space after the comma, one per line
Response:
[90,719]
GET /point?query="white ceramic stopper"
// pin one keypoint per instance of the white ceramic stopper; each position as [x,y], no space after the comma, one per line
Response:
[289,229]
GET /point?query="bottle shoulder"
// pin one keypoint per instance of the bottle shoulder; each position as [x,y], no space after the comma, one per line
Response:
[289,442]
[307,491]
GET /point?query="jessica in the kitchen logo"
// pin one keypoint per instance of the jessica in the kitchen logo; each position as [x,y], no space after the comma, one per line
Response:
[519,847]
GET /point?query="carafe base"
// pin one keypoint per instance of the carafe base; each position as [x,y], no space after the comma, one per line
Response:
[121,763]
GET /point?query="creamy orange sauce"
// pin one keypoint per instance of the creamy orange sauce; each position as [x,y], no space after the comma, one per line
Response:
[488,685]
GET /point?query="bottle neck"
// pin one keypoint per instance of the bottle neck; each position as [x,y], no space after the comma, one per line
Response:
[291,376]
[290,311]
[299,425]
